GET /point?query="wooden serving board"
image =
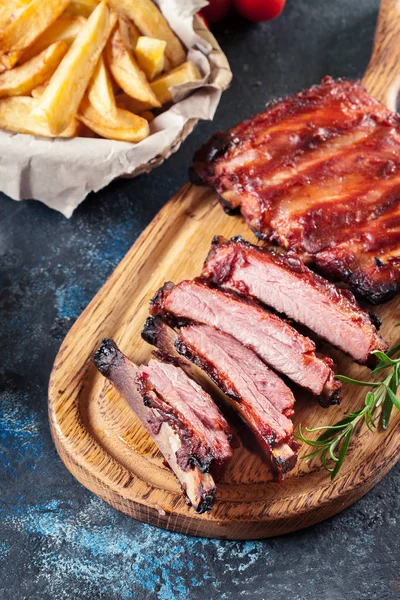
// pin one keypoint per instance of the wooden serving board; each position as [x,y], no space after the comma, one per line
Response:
[108,451]
[105,447]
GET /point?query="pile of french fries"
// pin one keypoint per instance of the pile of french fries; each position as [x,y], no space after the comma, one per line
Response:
[73,68]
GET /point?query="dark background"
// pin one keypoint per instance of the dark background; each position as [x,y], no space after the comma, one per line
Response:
[57,540]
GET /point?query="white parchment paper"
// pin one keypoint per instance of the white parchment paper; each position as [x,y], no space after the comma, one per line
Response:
[61,172]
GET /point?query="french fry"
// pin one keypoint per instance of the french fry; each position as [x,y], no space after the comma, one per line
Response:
[61,100]
[39,90]
[15,116]
[81,8]
[27,26]
[65,29]
[9,9]
[135,106]
[99,111]
[100,92]
[148,115]
[185,73]
[150,21]
[129,32]
[127,72]
[91,67]
[125,127]
[149,53]
[22,80]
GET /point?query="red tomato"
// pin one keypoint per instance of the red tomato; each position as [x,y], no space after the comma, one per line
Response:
[259,10]
[216,10]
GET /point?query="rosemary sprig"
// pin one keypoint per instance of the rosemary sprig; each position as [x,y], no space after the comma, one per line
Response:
[332,444]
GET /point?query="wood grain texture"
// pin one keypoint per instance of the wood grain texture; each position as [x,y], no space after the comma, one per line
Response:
[107,450]
[382,77]
[105,447]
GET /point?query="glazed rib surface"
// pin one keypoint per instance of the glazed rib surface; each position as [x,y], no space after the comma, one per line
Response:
[283,282]
[276,342]
[319,173]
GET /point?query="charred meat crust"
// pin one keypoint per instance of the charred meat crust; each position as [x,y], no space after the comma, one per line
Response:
[157,302]
[150,331]
[106,356]
[207,500]
[217,146]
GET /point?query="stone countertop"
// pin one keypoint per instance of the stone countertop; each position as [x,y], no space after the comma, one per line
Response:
[57,540]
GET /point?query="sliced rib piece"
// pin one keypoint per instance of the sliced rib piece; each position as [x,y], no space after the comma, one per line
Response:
[315,171]
[261,397]
[285,283]
[277,343]
[181,402]
[250,388]
[198,487]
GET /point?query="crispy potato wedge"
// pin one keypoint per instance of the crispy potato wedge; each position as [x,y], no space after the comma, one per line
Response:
[126,127]
[61,100]
[9,9]
[135,106]
[148,115]
[99,110]
[22,80]
[129,32]
[150,21]
[39,90]
[100,91]
[65,29]
[81,8]
[150,54]
[185,73]
[27,26]
[127,72]
[15,115]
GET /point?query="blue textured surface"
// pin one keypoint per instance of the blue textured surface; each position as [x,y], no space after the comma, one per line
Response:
[59,541]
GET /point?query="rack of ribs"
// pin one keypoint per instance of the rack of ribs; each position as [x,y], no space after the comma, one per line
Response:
[319,173]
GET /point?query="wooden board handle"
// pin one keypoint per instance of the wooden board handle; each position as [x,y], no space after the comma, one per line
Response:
[382,77]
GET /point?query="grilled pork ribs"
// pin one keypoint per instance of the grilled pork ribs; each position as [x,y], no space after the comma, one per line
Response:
[195,445]
[283,282]
[319,173]
[275,341]
[261,399]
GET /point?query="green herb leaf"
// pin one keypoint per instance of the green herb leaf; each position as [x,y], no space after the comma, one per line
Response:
[333,443]
[356,381]
[386,413]
[393,398]
[342,453]
[384,358]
